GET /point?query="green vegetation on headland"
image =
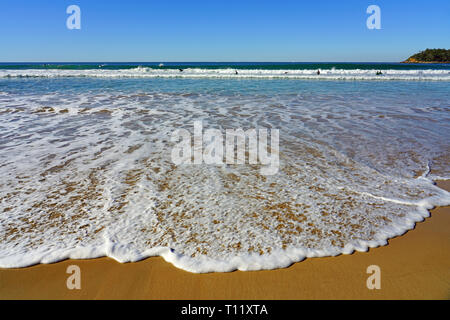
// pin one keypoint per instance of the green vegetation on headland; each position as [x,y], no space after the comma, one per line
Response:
[430,56]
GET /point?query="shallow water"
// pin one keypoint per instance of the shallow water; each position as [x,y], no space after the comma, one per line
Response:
[86,168]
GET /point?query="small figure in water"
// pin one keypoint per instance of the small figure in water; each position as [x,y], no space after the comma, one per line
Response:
[235,71]
[181,70]
[286,72]
[379,73]
[318,72]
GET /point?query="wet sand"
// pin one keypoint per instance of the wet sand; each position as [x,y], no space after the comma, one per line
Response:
[413,266]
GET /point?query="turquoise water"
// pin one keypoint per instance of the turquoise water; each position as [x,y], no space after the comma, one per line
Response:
[424,89]
[86,167]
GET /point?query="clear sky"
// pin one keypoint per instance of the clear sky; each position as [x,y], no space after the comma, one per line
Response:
[212,30]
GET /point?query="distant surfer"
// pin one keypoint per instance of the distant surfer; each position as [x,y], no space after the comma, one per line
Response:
[379,73]
[318,72]
[181,70]
[235,72]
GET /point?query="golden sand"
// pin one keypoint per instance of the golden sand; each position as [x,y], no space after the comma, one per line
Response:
[413,266]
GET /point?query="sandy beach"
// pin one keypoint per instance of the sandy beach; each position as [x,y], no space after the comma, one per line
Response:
[179,152]
[413,266]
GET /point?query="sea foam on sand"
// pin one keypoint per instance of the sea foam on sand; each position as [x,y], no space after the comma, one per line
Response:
[88,173]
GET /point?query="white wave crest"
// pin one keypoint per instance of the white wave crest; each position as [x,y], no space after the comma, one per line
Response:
[330,74]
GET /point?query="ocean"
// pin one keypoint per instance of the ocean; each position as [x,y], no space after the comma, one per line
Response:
[87,169]
[254,70]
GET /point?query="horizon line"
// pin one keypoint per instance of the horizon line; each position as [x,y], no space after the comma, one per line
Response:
[206,61]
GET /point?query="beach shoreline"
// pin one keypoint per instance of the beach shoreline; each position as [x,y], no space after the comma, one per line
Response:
[413,266]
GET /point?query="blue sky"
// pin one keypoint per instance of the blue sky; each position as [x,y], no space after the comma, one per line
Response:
[214,30]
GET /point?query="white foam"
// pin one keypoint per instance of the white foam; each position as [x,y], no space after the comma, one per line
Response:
[92,176]
[327,74]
